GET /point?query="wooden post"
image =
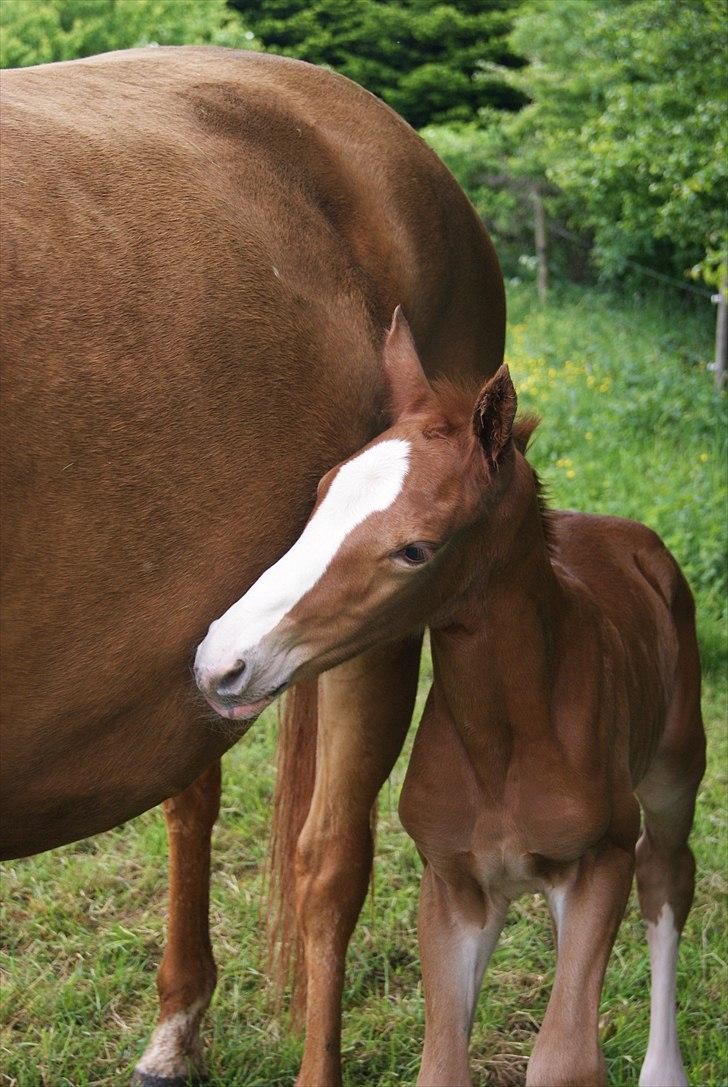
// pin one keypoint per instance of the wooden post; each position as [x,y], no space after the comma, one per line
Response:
[721,335]
[539,229]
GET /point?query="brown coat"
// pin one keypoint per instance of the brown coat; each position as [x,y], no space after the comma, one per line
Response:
[200,251]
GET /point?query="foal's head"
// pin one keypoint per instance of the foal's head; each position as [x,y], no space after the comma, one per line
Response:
[398,532]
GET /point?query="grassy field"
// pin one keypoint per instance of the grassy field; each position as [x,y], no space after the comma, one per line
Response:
[631,426]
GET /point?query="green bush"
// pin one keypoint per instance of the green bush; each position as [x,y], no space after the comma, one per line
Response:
[627,120]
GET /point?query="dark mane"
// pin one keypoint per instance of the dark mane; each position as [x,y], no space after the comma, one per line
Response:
[546,515]
[523,430]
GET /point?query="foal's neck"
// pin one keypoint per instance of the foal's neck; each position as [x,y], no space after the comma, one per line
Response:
[495,663]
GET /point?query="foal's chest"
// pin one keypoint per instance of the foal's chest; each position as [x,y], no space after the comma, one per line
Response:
[507,822]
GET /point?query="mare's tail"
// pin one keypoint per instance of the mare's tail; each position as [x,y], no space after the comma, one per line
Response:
[296,773]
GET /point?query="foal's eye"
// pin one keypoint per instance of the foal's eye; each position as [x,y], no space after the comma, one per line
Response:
[415,554]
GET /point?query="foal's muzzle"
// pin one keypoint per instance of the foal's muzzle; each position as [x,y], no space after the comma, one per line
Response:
[226,691]
[244,689]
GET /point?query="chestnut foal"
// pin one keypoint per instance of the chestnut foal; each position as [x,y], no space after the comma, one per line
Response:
[566,680]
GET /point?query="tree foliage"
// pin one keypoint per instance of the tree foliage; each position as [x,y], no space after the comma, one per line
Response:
[627,120]
[624,133]
[39,31]
[431,61]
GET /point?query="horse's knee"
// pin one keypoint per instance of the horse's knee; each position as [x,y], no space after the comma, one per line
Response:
[332,871]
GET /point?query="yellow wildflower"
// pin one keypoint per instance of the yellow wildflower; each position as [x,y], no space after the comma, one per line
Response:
[570,474]
[704,456]
[588,435]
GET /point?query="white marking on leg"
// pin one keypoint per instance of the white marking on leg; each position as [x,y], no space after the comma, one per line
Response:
[458,959]
[663,1065]
[487,939]
[557,901]
[365,485]
[475,946]
[174,1048]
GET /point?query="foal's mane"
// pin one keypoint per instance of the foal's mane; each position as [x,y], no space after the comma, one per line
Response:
[456,401]
[523,430]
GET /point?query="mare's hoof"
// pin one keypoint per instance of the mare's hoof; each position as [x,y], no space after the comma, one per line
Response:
[148,1079]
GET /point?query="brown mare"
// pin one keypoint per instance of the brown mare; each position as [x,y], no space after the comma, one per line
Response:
[201,250]
[566,680]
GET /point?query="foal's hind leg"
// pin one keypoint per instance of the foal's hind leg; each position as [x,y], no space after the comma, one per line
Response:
[187,975]
[665,882]
[365,707]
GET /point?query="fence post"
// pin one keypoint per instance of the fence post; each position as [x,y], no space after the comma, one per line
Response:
[721,334]
[539,229]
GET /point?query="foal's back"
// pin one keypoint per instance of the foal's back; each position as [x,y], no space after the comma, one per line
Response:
[638,585]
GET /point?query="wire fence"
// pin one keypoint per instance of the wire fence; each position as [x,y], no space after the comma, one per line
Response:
[542,231]
[662,277]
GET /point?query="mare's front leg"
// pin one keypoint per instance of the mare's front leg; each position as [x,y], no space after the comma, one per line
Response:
[587,908]
[186,977]
[365,707]
[458,929]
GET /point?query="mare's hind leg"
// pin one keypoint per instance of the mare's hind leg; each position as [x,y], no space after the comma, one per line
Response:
[665,882]
[186,977]
[365,707]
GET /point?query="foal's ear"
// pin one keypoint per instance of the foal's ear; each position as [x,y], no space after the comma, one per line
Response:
[409,388]
[494,413]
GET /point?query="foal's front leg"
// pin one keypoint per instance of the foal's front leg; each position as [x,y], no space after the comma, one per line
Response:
[186,978]
[587,908]
[458,930]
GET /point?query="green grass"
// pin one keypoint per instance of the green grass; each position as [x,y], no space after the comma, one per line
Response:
[83,926]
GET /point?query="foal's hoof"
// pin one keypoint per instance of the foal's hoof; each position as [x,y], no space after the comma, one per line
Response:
[148,1079]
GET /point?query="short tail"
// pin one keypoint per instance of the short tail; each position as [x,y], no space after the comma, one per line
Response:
[296,773]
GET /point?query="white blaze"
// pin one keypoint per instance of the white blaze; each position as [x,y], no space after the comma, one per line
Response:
[365,485]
